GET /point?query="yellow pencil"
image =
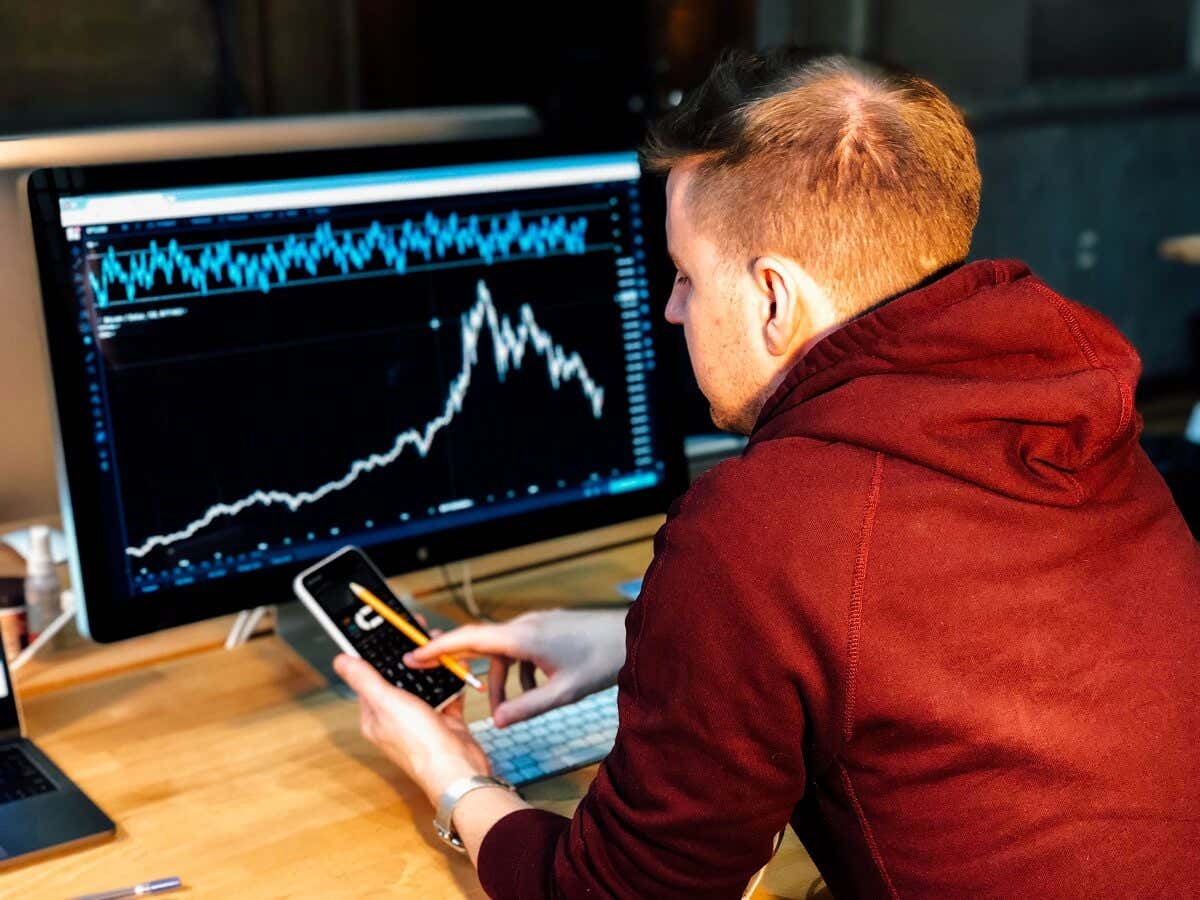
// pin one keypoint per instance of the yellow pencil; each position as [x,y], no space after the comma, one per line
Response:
[412,633]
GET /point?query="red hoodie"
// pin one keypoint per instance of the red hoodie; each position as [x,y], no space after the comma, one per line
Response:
[941,616]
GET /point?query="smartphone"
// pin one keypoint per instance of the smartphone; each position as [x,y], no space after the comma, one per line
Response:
[358,630]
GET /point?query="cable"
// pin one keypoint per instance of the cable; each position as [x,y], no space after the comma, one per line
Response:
[469,591]
[243,626]
[234,638]
[465,601]
[68,613]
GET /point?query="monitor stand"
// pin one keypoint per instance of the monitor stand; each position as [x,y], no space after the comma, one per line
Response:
[300,631]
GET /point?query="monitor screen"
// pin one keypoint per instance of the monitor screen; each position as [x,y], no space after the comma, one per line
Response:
[429,362]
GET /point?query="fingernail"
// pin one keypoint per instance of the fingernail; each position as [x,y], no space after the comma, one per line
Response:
[409,659]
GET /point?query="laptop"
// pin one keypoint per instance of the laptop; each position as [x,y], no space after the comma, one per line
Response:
[40,808]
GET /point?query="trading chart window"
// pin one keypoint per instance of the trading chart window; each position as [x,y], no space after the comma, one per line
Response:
[278,368]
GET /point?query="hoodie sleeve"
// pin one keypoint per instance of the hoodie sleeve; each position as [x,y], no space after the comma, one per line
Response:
[707,765]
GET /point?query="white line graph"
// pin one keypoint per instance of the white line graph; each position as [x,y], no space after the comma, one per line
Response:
[510,344]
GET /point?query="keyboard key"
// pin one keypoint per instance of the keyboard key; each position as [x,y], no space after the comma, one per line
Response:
[19,777]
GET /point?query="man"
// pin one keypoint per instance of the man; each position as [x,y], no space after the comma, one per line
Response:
[941,615]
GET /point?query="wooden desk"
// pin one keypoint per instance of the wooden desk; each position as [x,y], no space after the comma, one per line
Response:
[244,774]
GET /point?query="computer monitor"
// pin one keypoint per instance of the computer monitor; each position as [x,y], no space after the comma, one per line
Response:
[429,351]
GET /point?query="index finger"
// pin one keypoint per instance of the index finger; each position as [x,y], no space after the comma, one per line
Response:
[469,640]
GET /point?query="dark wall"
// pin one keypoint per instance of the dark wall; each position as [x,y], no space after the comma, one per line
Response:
[587,68]
[66,64]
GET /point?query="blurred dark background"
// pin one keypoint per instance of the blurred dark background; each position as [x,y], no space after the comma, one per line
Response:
[1086,112]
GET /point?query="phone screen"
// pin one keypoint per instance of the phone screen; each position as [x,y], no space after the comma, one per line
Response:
[375,640]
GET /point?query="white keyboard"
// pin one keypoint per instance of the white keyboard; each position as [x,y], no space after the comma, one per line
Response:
[556,741]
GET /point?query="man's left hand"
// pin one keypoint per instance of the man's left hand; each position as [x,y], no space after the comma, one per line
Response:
[433,748]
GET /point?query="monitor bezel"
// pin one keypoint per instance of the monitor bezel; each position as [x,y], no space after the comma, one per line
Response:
[109,615]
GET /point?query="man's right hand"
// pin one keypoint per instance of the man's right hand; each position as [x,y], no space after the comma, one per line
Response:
[580,653]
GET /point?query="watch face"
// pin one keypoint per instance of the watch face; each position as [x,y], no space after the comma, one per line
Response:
[448,836]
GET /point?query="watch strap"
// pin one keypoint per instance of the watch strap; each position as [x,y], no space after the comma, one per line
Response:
[443,822]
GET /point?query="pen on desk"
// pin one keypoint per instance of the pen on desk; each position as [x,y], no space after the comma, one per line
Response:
[158,886]
[412,633]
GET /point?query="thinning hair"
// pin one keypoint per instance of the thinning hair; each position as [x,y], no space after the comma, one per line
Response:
[865,177]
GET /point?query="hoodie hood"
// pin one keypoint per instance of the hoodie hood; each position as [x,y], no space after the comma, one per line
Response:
[986,375]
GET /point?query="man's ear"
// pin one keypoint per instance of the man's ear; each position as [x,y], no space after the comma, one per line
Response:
[784,313]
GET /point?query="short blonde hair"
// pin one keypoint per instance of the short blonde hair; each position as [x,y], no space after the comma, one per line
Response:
[867,178]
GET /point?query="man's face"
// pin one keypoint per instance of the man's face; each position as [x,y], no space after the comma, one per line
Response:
[718,326]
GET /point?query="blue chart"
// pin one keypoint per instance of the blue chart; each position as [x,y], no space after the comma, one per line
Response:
[177,271]
[511,342]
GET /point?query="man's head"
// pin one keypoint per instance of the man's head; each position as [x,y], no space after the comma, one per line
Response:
[800,193]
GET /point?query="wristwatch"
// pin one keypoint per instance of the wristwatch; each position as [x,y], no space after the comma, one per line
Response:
[443,822]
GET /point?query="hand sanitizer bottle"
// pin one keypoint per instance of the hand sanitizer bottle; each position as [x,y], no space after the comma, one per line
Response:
[43,593]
